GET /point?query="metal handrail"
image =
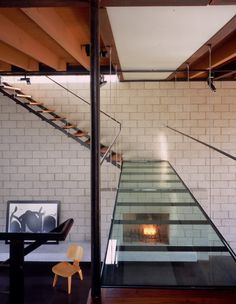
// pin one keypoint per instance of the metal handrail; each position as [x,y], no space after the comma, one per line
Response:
[81,98]
[203,143]
[111,145]
[109,116]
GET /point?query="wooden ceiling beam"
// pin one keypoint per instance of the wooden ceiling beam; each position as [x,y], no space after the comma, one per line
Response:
[12,56]
[4,66]
[224,32]
[43,3]
[13,35]
[228,75]
[221,54]
[49,20]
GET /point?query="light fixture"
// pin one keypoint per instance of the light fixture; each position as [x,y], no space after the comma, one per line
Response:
[211,84]
[103,51]
[210,78]
[26,79]
[102,80]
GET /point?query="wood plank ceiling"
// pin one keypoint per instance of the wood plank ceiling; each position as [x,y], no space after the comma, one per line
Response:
[49,36]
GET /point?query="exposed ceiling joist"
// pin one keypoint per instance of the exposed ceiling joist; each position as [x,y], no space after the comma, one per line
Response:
[221,54]
[5,66]
[43,3]
[49,20]
[12,56]
[15,36]
[195,60]
[228,75]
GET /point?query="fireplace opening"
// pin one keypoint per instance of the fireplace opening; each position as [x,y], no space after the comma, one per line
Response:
[145,232]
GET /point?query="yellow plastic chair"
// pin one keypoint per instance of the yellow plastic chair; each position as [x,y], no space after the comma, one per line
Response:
[66,269]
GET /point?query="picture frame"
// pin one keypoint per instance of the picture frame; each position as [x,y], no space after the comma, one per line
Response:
[32,216]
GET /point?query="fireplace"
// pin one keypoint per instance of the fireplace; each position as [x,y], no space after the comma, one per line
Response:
[146,232]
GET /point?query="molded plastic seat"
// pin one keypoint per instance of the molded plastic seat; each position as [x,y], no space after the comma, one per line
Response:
[66,269]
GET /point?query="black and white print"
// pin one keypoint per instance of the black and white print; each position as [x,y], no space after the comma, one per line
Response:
[32,216]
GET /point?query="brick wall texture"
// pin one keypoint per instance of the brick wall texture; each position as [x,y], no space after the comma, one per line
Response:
[38,162]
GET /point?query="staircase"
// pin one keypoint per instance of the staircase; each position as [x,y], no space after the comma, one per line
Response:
[162,245]
[57,121]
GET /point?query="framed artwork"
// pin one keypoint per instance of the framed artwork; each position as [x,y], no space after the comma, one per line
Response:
[32,216]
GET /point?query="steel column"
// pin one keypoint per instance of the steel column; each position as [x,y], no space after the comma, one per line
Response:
[95,151]
[16,271]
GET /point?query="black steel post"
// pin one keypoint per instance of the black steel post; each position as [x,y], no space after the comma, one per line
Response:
[16,272]
[95,151]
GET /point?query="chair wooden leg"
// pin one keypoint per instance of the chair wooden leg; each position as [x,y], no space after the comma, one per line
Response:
[55,280]
[80,274]
[69,285]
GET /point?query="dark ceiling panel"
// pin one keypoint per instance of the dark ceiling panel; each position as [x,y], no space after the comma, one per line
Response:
[154,2]
[118,3]
[104,3]
[222,2]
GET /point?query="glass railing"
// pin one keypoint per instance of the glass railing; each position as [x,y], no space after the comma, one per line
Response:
[160,236]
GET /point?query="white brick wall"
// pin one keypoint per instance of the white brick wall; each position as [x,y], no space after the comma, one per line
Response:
[32,151]
[37,162]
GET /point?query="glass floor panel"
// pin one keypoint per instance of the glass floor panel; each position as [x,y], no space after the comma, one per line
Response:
[151,213]
[146,165]
[164,235]
[159,170]
[199,270]
[161,237]
[154,197]
[150,177]
[151,184]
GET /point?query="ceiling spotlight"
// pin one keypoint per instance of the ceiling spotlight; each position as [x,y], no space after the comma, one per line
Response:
[104,53]
[210,84]
[87,49]
[102,80]
[210,77]
[26,79]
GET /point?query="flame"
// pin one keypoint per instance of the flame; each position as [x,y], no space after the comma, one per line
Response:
[149,230]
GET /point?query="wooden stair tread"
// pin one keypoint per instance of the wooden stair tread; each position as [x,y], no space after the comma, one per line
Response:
[80,134]
[34,103]
[23,96]
[57,118]
[46,111]
[6,87]
[112,156]
[116,157]
[103,149]
[69,126]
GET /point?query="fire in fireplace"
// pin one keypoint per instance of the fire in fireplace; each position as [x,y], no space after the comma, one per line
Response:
[145,232]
